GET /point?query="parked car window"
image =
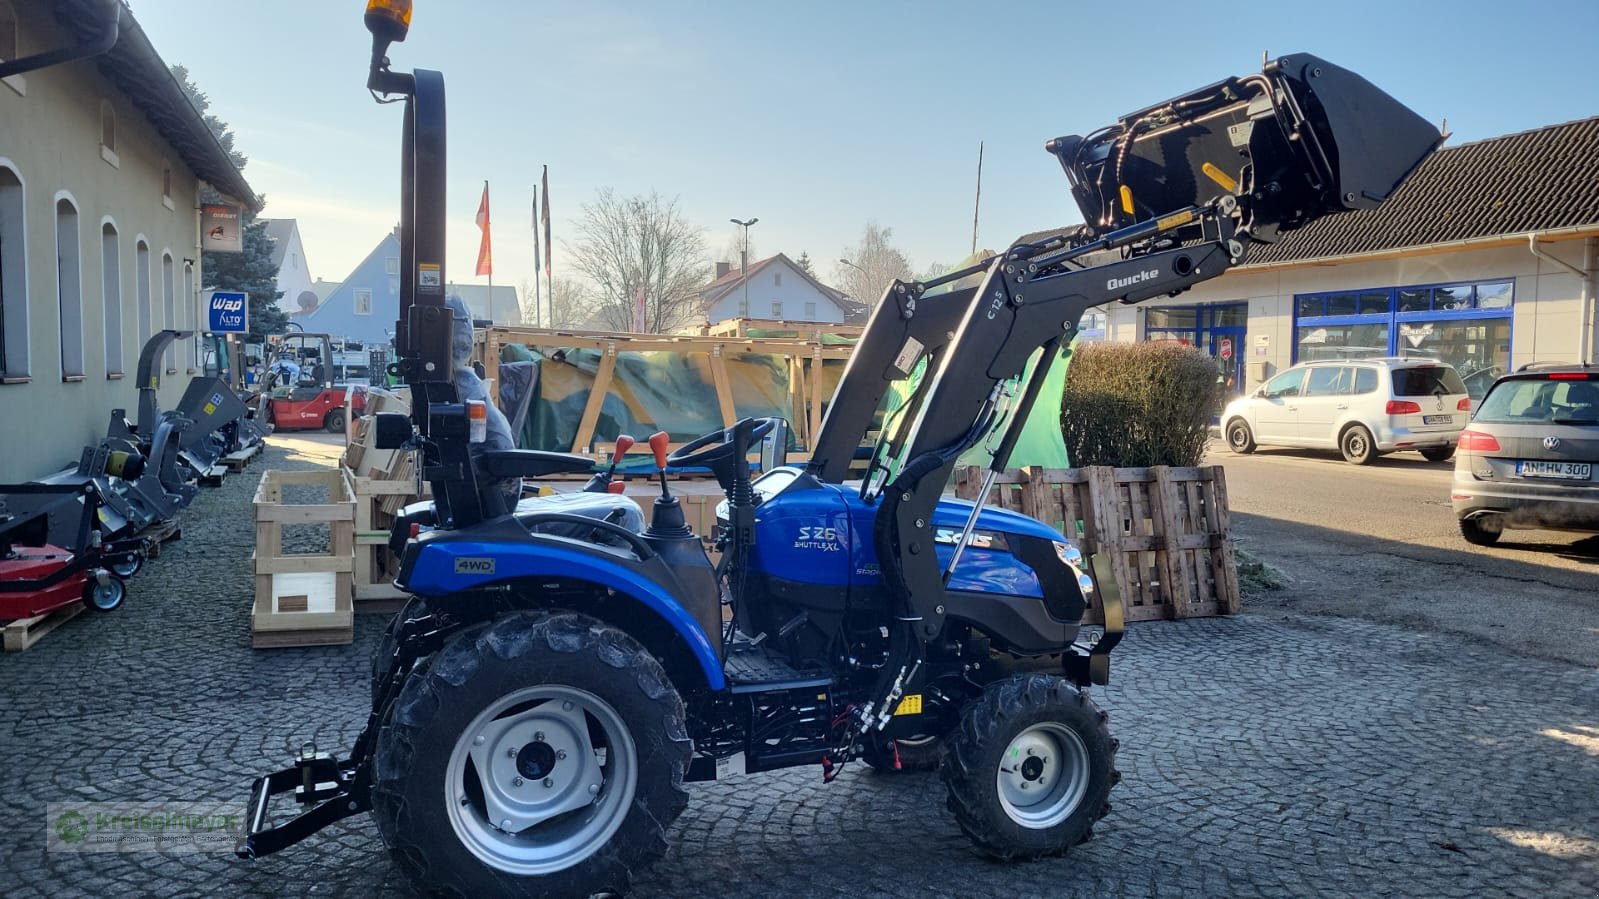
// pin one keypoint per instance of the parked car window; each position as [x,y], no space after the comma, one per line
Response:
[1430,380]
[1285,384]
[1365,380]
[1328,381]
[1538,400]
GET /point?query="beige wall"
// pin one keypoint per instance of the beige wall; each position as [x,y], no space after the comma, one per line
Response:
[1544,326]
[50,136]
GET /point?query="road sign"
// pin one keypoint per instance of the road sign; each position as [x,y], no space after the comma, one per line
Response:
[1225,348]
[228,312]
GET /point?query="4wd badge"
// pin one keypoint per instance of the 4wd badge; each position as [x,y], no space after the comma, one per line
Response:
[474,565]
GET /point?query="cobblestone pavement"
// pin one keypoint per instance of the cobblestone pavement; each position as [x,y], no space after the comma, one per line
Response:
[1264,755]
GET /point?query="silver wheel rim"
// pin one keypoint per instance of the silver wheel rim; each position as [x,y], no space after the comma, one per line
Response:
[127,568]
[107,595]
[1240,437]
[1043,775]
[1357,443]
[541,779]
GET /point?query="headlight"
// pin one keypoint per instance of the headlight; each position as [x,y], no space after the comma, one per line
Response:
[1072,557]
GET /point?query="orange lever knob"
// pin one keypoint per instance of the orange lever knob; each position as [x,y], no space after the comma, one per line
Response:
[658,442]
[623,444]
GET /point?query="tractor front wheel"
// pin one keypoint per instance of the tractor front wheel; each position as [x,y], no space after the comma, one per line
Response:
[537,755]
[334,422]
[1030,768]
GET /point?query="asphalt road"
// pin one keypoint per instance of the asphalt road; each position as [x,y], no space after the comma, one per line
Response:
[1380,542]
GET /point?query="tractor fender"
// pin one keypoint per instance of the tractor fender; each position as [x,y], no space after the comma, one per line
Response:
[443,567]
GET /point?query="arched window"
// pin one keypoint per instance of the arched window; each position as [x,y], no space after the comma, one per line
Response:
[108,133]
[13,277]
[169,307]
[69,289]
[111,297]
[141,287]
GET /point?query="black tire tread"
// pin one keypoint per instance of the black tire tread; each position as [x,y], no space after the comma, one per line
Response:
[970,779]
[657,802]
[1477,535]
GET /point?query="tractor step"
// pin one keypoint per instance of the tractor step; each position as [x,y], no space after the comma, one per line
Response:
[751,669]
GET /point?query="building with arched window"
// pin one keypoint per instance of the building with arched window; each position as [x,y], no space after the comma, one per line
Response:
[104,193]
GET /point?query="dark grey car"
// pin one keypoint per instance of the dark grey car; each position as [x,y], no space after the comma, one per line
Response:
[1530,456]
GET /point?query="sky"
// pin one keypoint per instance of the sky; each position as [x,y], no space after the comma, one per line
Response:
[816,117]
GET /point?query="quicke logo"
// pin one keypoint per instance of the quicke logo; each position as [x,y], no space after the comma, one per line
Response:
[1118,283]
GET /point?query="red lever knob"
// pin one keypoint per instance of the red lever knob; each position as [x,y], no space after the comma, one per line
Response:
[623,444]
[658,442]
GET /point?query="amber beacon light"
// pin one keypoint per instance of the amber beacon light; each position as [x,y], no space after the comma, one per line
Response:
[388,20]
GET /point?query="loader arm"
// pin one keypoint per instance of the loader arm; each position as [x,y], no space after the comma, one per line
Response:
[1172,195]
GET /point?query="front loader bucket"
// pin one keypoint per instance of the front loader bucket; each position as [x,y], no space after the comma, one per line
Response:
[1301,140]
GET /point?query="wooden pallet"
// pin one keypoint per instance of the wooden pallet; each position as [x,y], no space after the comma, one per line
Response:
[212,477]
[303,599]
[21,634]
[1165,530]
[236,460]
[158,534]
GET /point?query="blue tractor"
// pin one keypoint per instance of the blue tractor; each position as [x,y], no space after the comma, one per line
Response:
[562,670]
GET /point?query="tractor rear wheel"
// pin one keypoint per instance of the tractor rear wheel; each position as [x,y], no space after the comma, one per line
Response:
[536,755]
[1030,768]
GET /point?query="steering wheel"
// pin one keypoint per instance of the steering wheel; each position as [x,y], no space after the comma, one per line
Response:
[722,446]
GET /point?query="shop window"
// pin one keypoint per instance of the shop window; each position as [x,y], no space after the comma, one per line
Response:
[169,307]
[1231,315]
[1415,299]
[1310,307]
[141,287]
[111,297]
[1374,302]
[13,278]
[1172,317]
[1361,341]
[1342,304]
[1498,295]
[1451,299]
[69,290]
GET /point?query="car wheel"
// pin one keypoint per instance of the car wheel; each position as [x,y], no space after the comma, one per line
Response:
[1239,438]
[1438,453]
[1357,445]
[1484,530]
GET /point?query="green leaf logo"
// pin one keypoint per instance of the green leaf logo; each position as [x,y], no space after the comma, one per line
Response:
[72,827]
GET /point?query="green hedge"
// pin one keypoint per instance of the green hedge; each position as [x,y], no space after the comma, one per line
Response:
[1138,404]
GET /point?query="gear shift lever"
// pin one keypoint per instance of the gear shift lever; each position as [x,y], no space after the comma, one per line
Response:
[667,518]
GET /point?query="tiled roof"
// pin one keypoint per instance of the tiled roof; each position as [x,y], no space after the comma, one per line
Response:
[1538,180]
[721,287]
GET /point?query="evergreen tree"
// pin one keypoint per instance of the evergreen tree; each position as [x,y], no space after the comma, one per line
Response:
[804,262]
[251,271]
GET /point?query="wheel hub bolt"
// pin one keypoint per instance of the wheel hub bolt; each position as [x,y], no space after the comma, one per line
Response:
[477,740]
[538,736]
[510,753]
[517,781]
[549,782]
[561,755]
[567,706]
[594,789]
[506,824]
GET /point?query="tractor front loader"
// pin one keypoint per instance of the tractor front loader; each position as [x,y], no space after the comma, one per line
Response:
[562,670]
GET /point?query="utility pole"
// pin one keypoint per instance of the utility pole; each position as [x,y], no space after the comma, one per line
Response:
[744,265]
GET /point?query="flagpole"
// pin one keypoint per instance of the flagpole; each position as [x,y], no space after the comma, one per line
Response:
[977,205]
[538,293]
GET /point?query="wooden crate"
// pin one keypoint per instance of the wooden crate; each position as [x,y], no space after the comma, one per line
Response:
[377,500]
[1165,529]
[303,599]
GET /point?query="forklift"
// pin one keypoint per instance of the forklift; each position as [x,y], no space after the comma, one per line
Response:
[562,670]
[300,391]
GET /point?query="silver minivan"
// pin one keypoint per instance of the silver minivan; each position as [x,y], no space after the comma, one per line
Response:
[1361,407]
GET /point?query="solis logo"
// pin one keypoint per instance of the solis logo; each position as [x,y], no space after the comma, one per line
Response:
[824,539]
[1118,283]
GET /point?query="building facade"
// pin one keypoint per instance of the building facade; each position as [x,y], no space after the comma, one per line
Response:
[1485,259]
[778,290]
[101,162]
[294,272]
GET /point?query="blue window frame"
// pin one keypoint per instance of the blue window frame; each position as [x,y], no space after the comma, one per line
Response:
[1464,323]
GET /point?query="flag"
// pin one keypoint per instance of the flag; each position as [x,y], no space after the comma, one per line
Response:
[537,265]
[485,254]
[549,256]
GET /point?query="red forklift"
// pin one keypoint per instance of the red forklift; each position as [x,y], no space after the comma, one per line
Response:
[300,392]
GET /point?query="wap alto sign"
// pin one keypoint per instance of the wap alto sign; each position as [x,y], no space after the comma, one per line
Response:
[228,312]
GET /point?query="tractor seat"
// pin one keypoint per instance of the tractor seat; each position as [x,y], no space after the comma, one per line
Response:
[618,510]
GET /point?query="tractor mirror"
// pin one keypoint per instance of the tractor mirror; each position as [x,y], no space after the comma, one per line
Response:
[774,447]
[393,429]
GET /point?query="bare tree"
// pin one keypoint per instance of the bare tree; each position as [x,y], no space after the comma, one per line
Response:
[642,243]
[873,265]
[734,245]
[571,303]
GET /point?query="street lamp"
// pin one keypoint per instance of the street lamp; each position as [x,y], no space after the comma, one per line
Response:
[744,265]
[866,283]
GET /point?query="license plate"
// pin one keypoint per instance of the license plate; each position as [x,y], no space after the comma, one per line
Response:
[1574,471]
[1438,419]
